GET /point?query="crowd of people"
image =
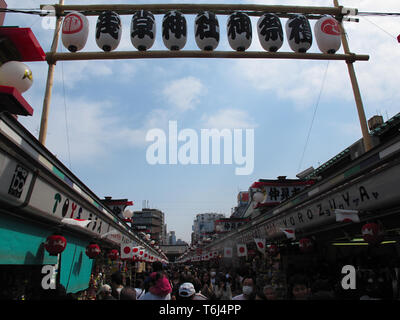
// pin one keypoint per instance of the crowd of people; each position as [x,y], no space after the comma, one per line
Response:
[247,282]
[197,283]
[258,278]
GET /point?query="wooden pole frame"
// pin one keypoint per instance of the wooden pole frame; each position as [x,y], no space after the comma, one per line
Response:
[224,9]
[49,84]
[356,90]
[53,57]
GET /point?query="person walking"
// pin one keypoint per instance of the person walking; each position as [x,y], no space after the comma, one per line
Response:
[119,292]
[104,293]
[187,292]
[248,290]
[223,290]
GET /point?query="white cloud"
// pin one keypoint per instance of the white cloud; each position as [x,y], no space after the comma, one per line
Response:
[184,93]
[228,119]
[299,81]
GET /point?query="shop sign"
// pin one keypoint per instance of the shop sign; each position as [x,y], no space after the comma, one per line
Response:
[376,192]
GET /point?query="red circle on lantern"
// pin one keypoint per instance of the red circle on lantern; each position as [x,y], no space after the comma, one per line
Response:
[260,245]
[55,244]
[241,249]
[372,233]
[93,250]
[135,250]
[305,244]
[72,24]
[330,26]
[113,254]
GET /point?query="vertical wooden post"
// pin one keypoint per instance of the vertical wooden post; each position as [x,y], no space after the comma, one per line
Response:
[356,90]
[49,84]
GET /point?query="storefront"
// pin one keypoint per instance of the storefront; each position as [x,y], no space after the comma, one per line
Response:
[39,197]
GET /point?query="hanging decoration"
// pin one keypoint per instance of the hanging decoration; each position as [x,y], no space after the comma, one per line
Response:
[143,30]
[270,32]
[16,74]
[298,33]
[75,31]
[327,34]
[273,250]
[305,245]
[108,31]
[113,254]
[372,233]
[206,28]
[174,30]
[92,250]
[55,244]
[239,31]
[260,244]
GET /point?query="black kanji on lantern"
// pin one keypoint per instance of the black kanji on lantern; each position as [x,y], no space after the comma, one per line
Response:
[142,24]
[108,22]
[175,23]
[207,26]
[239,23]
[300,30]
[271,28]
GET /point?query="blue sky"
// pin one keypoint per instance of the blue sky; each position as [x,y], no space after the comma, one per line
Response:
[98,127]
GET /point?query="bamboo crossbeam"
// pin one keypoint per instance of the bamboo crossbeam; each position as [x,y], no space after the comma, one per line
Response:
[223,9]
[157,54]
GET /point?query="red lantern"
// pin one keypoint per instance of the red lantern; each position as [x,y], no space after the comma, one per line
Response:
[372,233]
[305,245]
[55,244]
[113,254]
[273,249]
[93,250]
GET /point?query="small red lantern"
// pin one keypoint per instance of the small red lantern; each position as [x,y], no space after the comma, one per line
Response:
[273,249]
[372,233]
[113,254]
[55,244]
[305,245]
[93,250]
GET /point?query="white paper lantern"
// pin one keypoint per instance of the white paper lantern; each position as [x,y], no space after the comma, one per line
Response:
[298,33]
[206,29]
[239,31]
[16,74]
[108,31]
[147,236]
[127,214]
[258,197]
[75,31]
[327,33]
[270,32]
[143,30]
[174,30]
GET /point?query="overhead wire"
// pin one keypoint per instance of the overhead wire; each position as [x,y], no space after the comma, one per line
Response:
[315,112]
[66,116]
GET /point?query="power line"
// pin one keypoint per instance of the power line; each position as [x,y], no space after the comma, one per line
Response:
[382,14]
[315,111]
[380,28]
[65,115]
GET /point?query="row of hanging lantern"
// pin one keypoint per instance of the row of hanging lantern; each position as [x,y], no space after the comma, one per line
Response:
[56,244]
[75,31]
[372,233]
